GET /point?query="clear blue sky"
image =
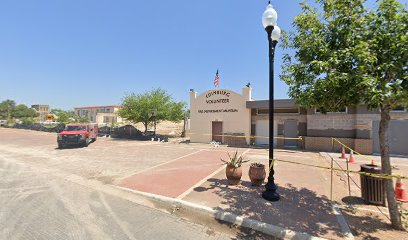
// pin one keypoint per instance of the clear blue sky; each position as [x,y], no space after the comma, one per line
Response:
[69,53]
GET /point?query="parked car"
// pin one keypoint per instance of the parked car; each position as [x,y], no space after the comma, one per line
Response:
[3,122]
[77,134]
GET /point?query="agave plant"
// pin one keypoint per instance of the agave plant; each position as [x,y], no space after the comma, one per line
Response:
[235,161]
[257,164]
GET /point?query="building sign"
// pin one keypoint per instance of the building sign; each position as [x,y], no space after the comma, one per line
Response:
[217,92]
[217,101]
[218,110]
[221,96]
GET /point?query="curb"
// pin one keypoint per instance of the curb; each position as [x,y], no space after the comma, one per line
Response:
[345,228]
[228,217]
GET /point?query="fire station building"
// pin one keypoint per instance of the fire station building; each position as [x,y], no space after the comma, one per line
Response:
[236,119]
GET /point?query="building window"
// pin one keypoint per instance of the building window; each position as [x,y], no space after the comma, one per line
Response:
[287,110]
[399,109]
[344,110]
[109,119]
[262,111]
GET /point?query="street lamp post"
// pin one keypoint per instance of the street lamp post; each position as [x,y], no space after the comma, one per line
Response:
[269,21]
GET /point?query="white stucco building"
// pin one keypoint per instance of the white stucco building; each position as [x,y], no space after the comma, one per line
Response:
[99,114]
[220,112]
[236,119]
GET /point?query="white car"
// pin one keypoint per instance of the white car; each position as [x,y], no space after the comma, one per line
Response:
[3,122]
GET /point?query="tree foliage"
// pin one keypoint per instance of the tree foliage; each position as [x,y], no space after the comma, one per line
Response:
[152,106]
[67,116]
[22,111]
[6,108]
[64,116]
[347,55]
[9,110]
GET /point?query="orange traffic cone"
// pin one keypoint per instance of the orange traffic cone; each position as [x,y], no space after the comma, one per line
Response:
[400,193]
[372,162]
[351,158]
[343,153]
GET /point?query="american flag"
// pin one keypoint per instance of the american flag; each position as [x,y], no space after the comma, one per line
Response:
[216,80]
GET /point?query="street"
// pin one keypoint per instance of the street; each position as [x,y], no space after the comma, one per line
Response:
[39,200]
[35,205]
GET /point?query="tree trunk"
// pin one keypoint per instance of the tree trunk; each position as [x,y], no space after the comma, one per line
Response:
[386,169]
[145,125]
[183,134]
[155,126]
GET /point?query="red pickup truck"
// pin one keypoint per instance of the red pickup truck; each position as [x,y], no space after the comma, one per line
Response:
[77,134]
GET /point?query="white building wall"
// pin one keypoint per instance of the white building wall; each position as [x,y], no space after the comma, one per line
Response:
[221,105]
[96,114]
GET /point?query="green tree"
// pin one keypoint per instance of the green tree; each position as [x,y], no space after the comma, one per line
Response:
[348,55]
[151,107]
[65,116]
[6,108]
[22,111]
[82,119]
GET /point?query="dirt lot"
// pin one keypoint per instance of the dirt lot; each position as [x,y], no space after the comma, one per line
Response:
[193,172]
[164,128]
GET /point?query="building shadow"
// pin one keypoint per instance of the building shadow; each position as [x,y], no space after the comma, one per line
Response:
[299,209]
[365,223]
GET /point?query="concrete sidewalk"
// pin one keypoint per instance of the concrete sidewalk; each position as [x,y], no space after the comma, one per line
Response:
[198,179]
[173,178]
[193,174]
[365,220]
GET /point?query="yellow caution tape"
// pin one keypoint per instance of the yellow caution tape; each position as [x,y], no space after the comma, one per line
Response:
[349,148]
[241,136]
[376,175]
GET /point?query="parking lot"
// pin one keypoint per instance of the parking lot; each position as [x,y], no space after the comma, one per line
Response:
[194,172]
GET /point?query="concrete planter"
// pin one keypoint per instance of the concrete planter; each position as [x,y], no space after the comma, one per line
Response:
[233,174]
[257,174]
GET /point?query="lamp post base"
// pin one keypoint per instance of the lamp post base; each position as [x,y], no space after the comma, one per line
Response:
[270,193]
[271,196]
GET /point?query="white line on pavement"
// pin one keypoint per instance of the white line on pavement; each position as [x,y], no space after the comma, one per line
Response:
[184,194]
[158,165]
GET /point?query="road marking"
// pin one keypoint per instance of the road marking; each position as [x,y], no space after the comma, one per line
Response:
[158,165]
[119,222]
[202,181]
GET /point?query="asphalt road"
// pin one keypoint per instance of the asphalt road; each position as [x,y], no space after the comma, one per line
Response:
[37,205]
[41,202]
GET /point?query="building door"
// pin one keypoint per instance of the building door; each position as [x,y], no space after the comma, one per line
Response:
[262,132]
[290,130]
[398,132]
[217,131]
